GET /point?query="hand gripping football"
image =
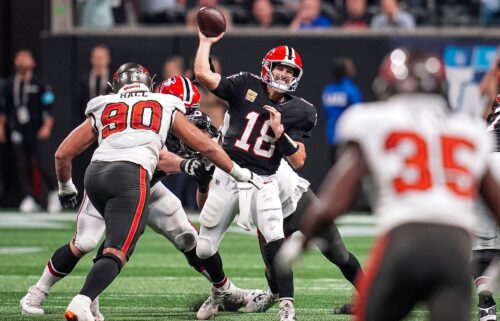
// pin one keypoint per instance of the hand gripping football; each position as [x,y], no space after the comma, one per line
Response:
[211,21]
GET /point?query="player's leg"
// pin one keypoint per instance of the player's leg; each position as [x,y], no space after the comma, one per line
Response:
[89,230]
[268,217]
[481,259]
[384,293]
[486,248]
[334,248]
[216,216]
[120,190]
[168,218]
[450,298]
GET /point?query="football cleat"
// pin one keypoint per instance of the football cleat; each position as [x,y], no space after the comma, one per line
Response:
[79,309]
[488,314]
[210,307]
[343,309]
[32,302]
[94,309]
[487,307]
[287,311]
[260,301]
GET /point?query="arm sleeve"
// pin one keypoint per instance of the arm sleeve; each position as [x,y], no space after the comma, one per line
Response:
[229,87]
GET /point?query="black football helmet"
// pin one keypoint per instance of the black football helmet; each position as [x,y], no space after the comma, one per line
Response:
[204,123]
[131,73]
[410,71]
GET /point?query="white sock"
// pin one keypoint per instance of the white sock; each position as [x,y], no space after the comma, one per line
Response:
[47,280]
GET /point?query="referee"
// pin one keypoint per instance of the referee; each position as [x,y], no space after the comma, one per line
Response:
[27,113]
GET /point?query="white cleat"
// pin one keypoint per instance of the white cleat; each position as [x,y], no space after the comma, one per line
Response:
[210,307]
[79,309]
[287,311]
[239,298]
[28,205]
[260,301]
[94,309]
[53,204]
[32,302]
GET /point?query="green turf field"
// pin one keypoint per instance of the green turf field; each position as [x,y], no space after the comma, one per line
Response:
[157,283]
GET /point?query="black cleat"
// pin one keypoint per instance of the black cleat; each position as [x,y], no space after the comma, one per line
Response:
[343,309]
[487,307]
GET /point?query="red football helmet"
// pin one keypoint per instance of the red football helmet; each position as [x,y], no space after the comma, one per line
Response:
[183,88]
[410,71]
[284,55]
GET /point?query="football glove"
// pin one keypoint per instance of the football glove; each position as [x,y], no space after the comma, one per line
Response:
[204,176]
[246,176]
[67,194]
[191,166]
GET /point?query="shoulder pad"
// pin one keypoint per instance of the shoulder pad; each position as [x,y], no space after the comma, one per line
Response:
[239,74]
[95,103]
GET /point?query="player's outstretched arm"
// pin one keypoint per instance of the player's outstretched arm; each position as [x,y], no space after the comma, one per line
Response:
[75,143]
[191,135]
[489,190]
[202,71]
[337,192]
[169,162]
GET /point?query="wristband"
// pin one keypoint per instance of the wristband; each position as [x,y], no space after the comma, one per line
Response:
[286,145]
[67,186]
[182,165]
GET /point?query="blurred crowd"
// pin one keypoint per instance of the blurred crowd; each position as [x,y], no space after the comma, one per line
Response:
[293,14]
[26,121]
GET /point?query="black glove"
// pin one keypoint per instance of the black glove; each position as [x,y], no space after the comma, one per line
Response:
[68,201]
[204,176]
[191,166]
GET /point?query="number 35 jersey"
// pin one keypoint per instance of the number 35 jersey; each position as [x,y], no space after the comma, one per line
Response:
[425,162]
[132,126]
[249,140]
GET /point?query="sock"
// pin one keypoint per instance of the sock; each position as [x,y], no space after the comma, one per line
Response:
[213,266]
[104,271]
[222,285]
[197,264]
[481,283]
[284,282]
[271,282]
[62,262]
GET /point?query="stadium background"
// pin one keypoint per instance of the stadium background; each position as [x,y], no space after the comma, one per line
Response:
[153,280]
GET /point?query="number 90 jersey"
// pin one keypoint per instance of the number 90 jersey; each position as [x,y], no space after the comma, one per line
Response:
[132,126]
[426,163]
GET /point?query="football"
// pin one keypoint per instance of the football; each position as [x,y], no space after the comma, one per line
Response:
[211,21]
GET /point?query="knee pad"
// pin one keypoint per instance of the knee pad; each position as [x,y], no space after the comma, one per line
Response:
[204,248]
[85,243]
[212,210]
[269,214]
[186,241]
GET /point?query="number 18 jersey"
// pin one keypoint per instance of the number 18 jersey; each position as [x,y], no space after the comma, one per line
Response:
[425,162]
[132,126]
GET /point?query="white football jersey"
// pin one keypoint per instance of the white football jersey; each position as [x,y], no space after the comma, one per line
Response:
[132,126]
[424,161]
